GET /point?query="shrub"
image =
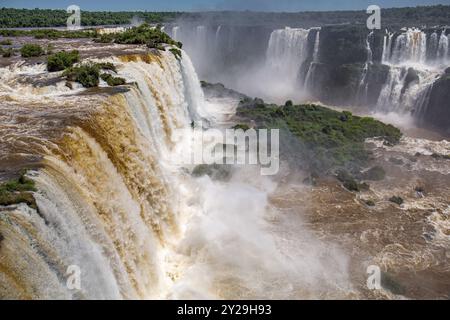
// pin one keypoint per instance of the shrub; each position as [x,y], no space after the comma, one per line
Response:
[62,60]
[143,34]
[397,200]
[107,66]
[241,126]
[214,171]
[112,81]
[31,50]
[376,173]
[8,53]
[6,42]
[17,191]
[348,181]
[87,75]
[176,52]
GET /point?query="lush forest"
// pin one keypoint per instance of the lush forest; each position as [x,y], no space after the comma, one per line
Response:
[423,15]
[21,18]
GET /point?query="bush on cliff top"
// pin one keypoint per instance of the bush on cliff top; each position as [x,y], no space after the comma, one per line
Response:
[31,50]
[17,191]
[143,34]
[112,81]
[87,74]
[62,60]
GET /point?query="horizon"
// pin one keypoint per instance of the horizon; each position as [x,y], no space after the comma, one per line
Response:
[281,6]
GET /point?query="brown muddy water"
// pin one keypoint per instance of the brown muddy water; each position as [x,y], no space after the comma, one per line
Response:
[101,158]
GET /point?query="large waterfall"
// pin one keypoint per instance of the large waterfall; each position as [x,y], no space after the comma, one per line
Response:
[287,50]
[415,60]
[105,202]
[315,59]
[114,201]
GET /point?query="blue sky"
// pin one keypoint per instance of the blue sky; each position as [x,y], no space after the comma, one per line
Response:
[201,5]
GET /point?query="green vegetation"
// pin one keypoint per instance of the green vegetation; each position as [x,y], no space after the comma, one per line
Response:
[49,33]
[62,60]
[241,126]
[329,139]
[441,156]
[144,34]
[214,171]
[388,282]
[176,52]
[17,191]
[87,74]
[289,103]
[107,66]
[376,173]
[397,200]
[370,203]
[425,15]
[16,18]
[112,81]
[347,181]
[6,53]
[350,183]
[31,50]
[6,42]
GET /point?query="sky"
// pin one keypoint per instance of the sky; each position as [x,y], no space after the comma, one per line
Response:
[205,5]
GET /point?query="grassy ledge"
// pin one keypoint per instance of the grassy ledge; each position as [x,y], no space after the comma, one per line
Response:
[17,191]
[329,139]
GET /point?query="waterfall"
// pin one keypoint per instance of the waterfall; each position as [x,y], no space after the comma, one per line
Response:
[315,59]
[363,87]
[423,58]
[106,194]
[286,52]
[442,53]
[175,35]
[387,47]
[409,47]
[391,92]
[113,201]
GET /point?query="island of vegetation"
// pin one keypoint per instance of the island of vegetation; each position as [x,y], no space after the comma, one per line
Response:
[329,141]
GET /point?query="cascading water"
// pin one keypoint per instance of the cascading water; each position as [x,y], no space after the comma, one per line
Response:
[286,52]
[113,201]
[315,59]
[175,33]
[361,95]
[409,47]
[103,191]
[442,53]
[387,47]
[415,61]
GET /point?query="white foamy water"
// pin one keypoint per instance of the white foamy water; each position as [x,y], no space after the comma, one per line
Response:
[113,201]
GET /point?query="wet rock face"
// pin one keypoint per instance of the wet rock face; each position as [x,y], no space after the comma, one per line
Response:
[343,45]
[335,84]
[437,112]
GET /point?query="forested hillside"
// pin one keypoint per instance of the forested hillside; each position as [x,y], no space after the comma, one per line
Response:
[427,15]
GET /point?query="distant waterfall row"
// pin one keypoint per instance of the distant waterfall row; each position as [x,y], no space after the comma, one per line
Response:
[416,46]
[386,71]
[416,60]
